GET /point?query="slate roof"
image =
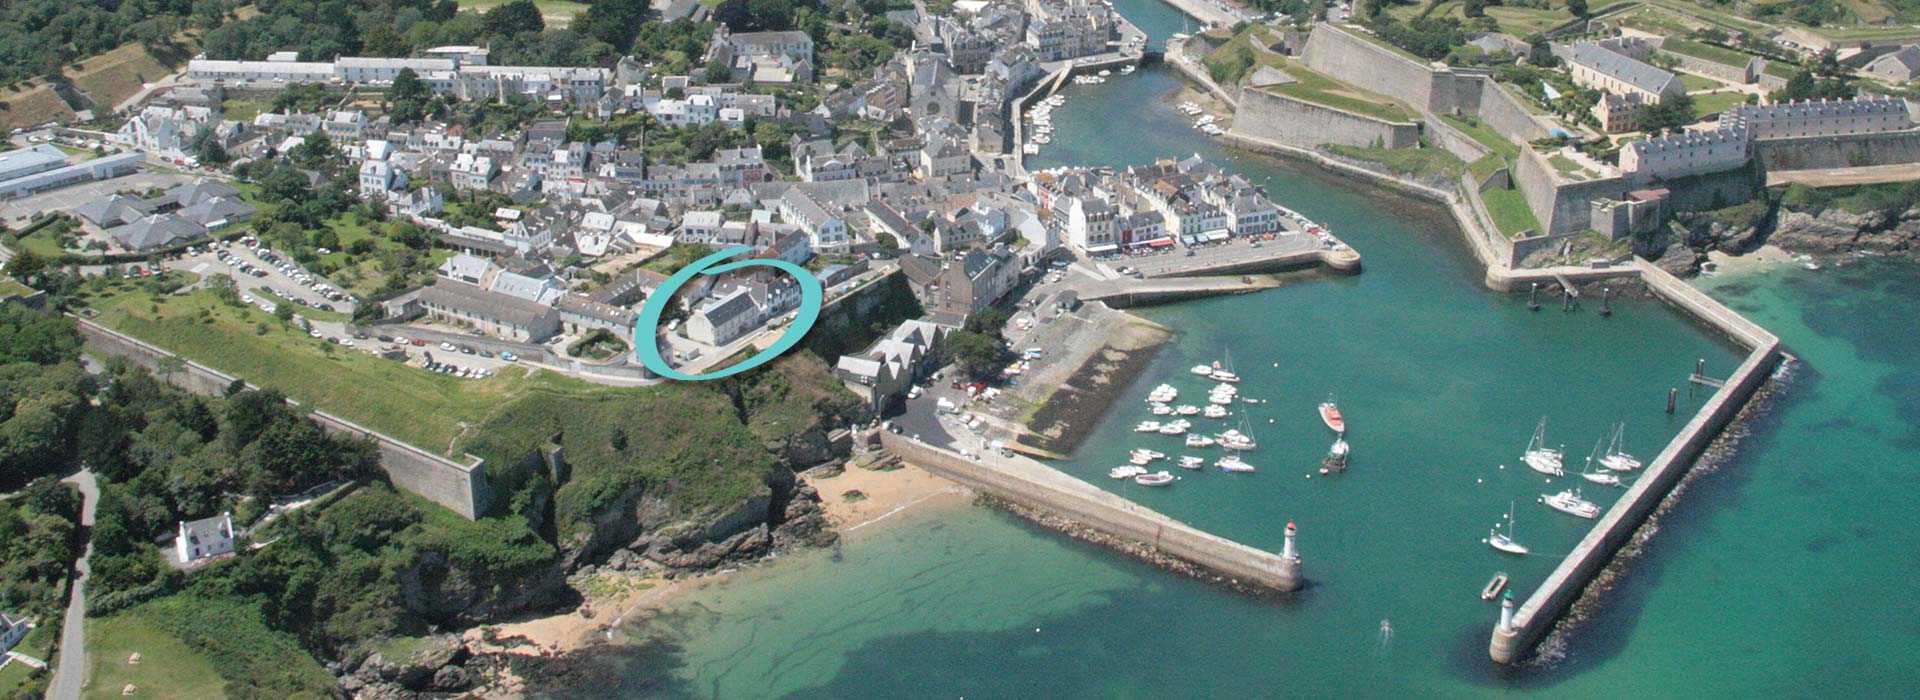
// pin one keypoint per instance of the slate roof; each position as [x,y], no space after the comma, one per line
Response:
[155,232]
[1623,68]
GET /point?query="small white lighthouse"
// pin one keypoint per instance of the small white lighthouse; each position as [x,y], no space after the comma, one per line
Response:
[1287,552]
[1506,613]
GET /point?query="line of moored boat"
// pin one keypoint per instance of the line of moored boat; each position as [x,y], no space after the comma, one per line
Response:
[1233,441]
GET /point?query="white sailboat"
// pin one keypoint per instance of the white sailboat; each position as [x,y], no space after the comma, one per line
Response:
[1159,478]
[1224,373]
[1541,458]
[1233,463]
[1504,541]
[1598,477]
[1616,459]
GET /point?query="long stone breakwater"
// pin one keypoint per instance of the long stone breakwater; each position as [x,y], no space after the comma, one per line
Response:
[1036,486]
[1519,630]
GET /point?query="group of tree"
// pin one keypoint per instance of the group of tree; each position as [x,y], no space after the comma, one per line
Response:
[1427,37]
[1825,80]
[38,38]
[1669,116]
[980,346]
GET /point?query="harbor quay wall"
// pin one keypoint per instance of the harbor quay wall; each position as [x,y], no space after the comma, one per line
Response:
[1849,151]
[462,488]
[1263,114]
[1535,618]
[1036,485]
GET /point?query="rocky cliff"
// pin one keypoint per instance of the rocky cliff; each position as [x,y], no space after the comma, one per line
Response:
[1893,231]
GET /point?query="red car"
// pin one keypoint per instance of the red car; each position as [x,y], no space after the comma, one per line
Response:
[419,342]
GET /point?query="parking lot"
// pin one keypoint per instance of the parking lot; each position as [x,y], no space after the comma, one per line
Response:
[267,281]
[17,212]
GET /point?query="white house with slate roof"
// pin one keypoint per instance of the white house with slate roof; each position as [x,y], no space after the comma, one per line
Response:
[725,319]
[1899,65]
[199,541]
[12,630]
[1611,66]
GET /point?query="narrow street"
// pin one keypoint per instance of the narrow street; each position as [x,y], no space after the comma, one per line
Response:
[71,670]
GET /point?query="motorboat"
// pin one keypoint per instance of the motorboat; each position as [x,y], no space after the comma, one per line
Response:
[1125,472]
[1201,370]
[1214,411]
[1236,440]
[1221,375]
[1187,410]
[1504,541]
[1219,399]
[1330,414]
[1571,503]
[1616,459]
[1192,463]
[1227,389]
[1159,478]
[1160,409]
[1494,586]
[1336,458]
[1233,463]
[1178,427]
[1147,426]
[1198,440]
[1163,394]
[1541,458]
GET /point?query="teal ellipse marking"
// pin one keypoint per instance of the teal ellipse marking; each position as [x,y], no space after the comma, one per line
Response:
[811,298]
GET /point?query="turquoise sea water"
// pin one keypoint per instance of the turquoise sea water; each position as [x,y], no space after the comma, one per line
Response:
[1785,572]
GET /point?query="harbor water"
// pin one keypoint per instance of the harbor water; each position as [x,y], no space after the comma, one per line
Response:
[1784,572]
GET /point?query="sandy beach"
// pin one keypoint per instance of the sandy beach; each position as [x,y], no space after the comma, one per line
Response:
[853,500]
[1767,256]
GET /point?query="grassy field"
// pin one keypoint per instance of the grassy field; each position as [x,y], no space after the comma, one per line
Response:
[116,75]
[168,668]
[1479,131]
[37,644]
[420,407]
[363,275]
[1697,82]
[1414,162]
[1509,211]
[30,106]
[557,13]
[1715,103]
[1708,52]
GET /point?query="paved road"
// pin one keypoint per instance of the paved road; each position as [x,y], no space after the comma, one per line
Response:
[72,669]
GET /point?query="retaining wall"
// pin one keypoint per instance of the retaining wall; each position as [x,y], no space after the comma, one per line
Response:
[1030,483]
[462,488]
[1503,111]
[1738,75]
[1851,151]
[1462,146]
[1556,595]
[1265,115]
[1561,207]
[1331,50]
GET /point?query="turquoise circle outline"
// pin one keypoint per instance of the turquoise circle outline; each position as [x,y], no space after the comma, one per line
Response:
[812,297]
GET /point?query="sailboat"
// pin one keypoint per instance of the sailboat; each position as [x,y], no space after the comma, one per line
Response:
[1503,541]
[1615,459]
[1571,503]
[1225,374]
[1598,477]
[1541,458]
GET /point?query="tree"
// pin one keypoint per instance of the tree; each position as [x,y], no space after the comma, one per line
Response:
[25,265]
[975,353]
[517,17]
[408,97]
[1577,7]
[1669,116]
[718,72]
[382,41]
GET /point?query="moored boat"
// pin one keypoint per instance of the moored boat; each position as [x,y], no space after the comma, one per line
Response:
[1147,426]
[1330,414]
[1192,462]
[1159,478]
[1202,370]
[1541,458]
[1198,440]
[1571,503]
[1336,458]
[1615,458]
[1494,586]
[1186,409]
[1236,440]
[1504,541]
[1125,472]
[1214,411]
[1233,463]
[1178,427]
[1160,409]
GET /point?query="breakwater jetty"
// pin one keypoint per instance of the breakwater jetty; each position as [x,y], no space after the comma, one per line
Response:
[1519,629]
[1033,485]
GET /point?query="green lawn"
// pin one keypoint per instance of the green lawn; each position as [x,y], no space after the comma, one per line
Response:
[1485,166]
[1415,162]
[12,676]
[1481,132]
[168,668]
[1569,168]
[1510,213]
[557,13]
[1707,52]
[1319,89]
[1695,82]
[1715,103]
[404,401]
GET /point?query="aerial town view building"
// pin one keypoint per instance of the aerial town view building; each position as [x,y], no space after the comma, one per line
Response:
[973,348]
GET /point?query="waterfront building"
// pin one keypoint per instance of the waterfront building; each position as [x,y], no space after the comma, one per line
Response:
[1090,225]
[1680,155]
[885,370]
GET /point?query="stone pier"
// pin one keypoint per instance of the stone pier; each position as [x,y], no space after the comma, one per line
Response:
[1035,485]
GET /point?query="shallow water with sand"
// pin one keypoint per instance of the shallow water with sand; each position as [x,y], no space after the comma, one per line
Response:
[1784,572]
